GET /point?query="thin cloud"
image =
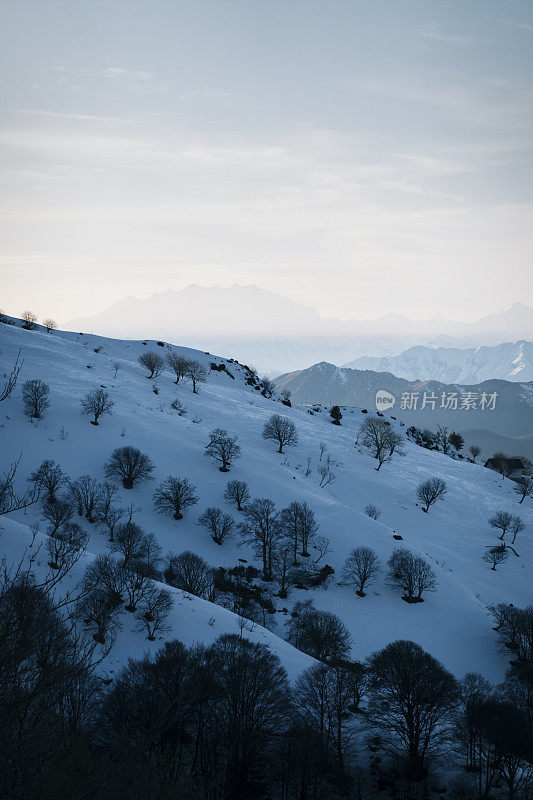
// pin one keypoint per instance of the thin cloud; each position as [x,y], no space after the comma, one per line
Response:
[525,26]
[132,78]
[114,73]
[437,33]
[40,112]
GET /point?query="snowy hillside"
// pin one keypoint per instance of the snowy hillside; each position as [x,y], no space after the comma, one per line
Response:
[508,362]
[453,623]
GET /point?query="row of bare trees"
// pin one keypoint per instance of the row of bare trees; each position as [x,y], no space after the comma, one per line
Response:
[379,437]
[409,573]
[183,368]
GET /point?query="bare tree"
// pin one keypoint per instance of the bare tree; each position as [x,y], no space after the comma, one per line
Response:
[320,634]
[106,575]
[108,514]
[130,542]
[515,629]
[430,491]
[196,373]
[35,398]
[517,526]
[189,572]
[152,615]
[282,560]
[135,585]
[49,324]
[474,691]
[524,488]
[153,362]
[474,451]
[11,379]
[411,574]
[496,556]
[220,525]
[504,745]
[290,519]
[372,511]
[59,515]
[254,699]
[97,403]
[412,699]
[130,465]
[86,493]
[46,688]
[116,367]
[110,519]
[108,495]
[237,492]
[66,546]
[361,568]
[50,477]
[174,496]
[99,614]
[281,430]
[299,526]
[263,529]
[308,528]
[222,448]
[327,476]
[10,499]
[178,364]
[380,438]
[149,561]
[321,548]
[29,320]
[322,696]
[502,521]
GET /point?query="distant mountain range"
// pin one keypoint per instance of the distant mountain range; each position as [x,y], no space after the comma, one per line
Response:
[507,423]
[509,361]
[277,334]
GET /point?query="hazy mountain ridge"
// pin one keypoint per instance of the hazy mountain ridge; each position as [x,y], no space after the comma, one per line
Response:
[279,334]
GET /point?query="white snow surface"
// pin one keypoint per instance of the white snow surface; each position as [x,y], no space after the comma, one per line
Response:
[453,623]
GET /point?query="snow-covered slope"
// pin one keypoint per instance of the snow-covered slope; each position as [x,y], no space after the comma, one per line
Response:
[508,362]
[453,623]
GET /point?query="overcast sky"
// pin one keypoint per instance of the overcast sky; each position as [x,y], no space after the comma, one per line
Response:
[361,157]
